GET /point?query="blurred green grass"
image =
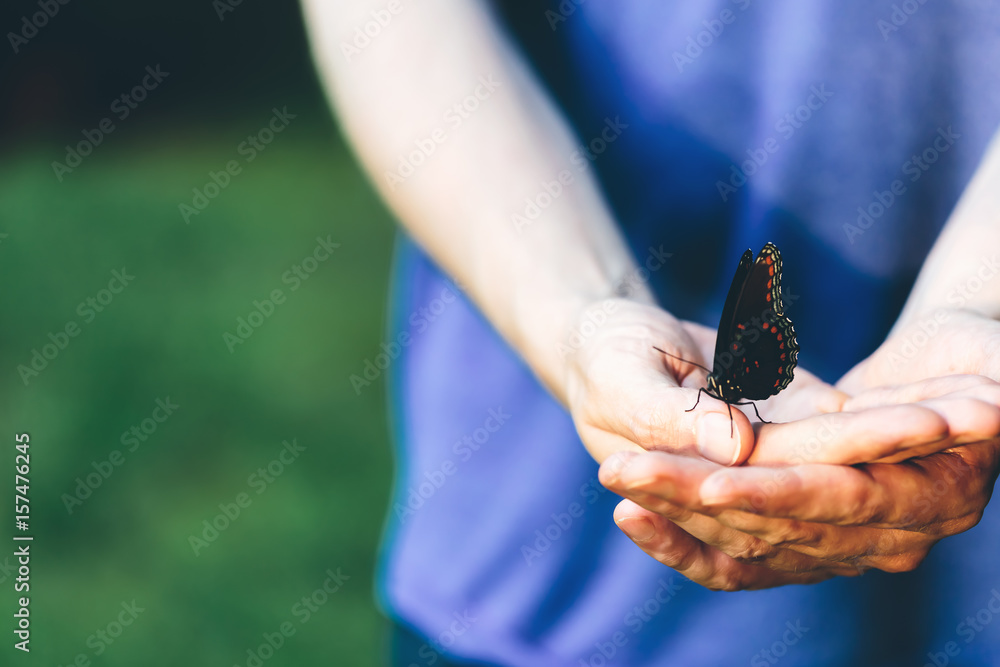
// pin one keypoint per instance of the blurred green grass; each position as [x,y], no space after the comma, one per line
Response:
[162,337]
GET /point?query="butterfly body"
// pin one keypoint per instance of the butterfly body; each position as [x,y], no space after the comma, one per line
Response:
[755,350]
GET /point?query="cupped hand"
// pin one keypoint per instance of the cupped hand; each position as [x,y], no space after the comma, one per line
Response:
[772,523]
[938,343]
[623,395]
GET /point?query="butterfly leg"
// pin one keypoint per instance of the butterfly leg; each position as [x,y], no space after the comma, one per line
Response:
[728,404]
[754,406]
[697,401]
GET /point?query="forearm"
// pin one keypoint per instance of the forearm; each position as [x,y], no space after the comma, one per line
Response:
[963,268]
[530,280]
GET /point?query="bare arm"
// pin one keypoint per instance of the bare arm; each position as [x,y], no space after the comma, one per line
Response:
[950,322]
[535,283]
[962,268]
[531,281]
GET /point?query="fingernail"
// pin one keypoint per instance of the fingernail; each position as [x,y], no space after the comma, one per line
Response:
[637,528]
[718,489]
[715,443]
[611,469]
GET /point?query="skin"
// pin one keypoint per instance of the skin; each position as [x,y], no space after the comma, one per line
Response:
[771,523]
[540,284]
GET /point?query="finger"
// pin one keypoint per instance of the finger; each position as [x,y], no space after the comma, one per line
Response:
[703,564]
[746,548]
[924,389]
[805,397]
[969,404]
[671,477]
[669,485]
[658,414]
[969,421]
[848,438]
[854,547]
[958,345]
[942,494]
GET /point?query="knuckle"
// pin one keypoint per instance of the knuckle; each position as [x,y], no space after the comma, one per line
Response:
[678,559]
[753,551]
[989,393]
[724,583]
[797,533]
[961,524]
[666,509]
[903,562]
[650,424]
[860,508]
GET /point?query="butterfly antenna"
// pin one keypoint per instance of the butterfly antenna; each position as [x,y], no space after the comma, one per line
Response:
[681,359]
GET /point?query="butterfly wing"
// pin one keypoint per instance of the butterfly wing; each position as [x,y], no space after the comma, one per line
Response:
[727,323]
[761,351]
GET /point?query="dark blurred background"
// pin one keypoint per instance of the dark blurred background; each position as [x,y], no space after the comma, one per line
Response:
[118,575]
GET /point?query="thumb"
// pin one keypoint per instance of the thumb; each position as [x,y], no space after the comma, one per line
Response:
[717,431]
[721,434]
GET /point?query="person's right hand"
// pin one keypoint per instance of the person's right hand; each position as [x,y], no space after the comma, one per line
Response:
[771,523]
[623,395]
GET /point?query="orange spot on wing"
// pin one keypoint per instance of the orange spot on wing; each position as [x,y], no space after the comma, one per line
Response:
[781,346]
[768,296]
[770,283]
[774,329]
[770,269]
[779,336]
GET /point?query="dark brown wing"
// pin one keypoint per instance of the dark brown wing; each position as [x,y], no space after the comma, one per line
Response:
[760,352]
[727,323]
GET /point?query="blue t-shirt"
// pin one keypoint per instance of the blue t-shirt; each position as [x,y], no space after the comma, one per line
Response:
[845,133]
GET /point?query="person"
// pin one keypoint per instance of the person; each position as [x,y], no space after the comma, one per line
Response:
[576,181]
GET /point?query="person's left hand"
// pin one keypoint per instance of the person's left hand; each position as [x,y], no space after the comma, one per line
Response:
[761,526]
[938,343]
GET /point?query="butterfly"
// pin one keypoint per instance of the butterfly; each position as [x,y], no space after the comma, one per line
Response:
[755,349]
